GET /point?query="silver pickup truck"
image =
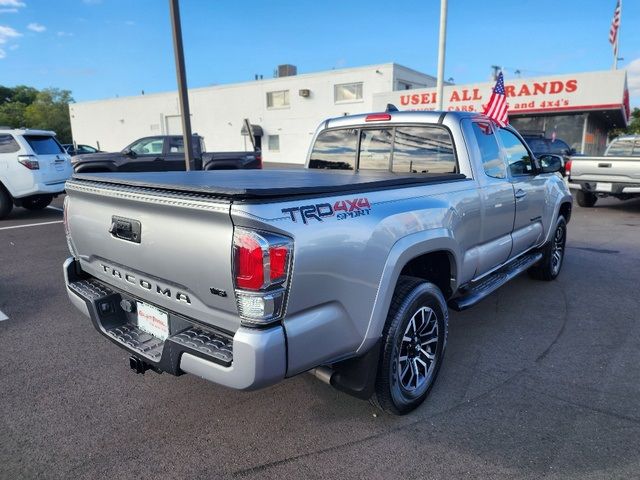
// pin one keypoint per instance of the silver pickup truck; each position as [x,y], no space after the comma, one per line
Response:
[617,174]
[345,269]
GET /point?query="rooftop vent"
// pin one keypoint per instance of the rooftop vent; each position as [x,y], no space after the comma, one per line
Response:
[286,70]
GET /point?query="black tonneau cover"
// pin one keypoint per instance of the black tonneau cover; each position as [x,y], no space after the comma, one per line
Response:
[265,184]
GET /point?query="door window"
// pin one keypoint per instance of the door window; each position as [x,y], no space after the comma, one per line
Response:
[423,150]
[517,156]
[489,150]
[176,145]
[148,146]
[375,149]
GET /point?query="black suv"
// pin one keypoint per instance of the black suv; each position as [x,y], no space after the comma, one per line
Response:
[541,145]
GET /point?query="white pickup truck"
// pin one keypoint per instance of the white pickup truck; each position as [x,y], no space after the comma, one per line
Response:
[617,174]
[33,169]
[345,269]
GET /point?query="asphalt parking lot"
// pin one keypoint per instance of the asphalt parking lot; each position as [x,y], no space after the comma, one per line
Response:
[541,380]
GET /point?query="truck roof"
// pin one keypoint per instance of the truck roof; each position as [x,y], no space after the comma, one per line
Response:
[266,184]
[435,116]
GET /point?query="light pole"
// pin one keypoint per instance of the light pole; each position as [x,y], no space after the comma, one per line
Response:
[183,95]
[441,51]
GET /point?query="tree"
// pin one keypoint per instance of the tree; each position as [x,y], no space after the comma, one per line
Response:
[48,109]
[12,114]
[632,128]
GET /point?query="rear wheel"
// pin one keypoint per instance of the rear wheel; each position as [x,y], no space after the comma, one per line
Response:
[6,202]
[548,268]
[37,202]
[414,340]
[586,199]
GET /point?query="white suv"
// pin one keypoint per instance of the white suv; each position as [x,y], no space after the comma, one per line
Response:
[33,169]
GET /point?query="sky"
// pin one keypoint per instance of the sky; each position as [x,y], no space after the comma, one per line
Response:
[107,48]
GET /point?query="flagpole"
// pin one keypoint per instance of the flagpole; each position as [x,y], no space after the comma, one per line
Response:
[615,50]
[441,52]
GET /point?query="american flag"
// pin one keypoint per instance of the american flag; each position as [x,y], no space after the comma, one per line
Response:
[615,25]
[497,108]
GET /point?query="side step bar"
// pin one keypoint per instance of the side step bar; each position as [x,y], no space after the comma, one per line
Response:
[482,289]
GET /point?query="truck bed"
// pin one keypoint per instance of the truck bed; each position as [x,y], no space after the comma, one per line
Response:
[267,184]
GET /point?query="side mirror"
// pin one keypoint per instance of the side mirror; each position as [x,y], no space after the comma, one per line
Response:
[129,153]
[550,163]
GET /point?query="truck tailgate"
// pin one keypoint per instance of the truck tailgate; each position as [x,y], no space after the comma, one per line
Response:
[605,169]
[171,249]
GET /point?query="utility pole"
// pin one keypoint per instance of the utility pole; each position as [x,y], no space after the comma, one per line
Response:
[496,70]
[183,95]
[441,51]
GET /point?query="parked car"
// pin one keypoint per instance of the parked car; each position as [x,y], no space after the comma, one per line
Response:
[245,278]
[33,169]
[79,149]
[541,145]
[162,153]
[616,174]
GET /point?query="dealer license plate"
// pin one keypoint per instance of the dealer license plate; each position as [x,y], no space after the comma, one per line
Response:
[603,187]
[153,320]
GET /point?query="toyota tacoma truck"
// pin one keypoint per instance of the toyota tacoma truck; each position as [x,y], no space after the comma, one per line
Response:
[617,174]
[346,269]
[163,153]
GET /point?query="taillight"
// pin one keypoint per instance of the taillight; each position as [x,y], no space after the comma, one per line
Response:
[29,161]
[567,167]
[377,117]
[259,159]
[262,263]
[249,262]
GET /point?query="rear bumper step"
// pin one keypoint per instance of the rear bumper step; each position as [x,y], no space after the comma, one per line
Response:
[121,326]
[190,347]
[485,287]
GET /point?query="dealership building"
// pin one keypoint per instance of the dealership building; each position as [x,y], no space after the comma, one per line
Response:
[285,111]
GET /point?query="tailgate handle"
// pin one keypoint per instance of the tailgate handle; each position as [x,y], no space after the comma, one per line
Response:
[126,229]
[604,165]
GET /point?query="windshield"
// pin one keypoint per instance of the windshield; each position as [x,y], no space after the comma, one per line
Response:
[537,145]
[44,144]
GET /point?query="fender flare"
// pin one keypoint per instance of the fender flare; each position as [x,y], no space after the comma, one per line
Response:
[566,198]
[402,252]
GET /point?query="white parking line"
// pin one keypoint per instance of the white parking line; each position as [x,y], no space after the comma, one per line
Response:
[3,317]
[57,209]
[30,225]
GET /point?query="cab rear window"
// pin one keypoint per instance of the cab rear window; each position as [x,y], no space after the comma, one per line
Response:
[400,149]
[44,144]
[335,150]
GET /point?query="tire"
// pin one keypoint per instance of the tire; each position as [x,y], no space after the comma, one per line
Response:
[548,268]
[586,199]
[6,202]
[37,202]
[402,385]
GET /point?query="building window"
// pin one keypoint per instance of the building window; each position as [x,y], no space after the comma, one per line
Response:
[348,92]
[279,99]
[404,85]
[274,143]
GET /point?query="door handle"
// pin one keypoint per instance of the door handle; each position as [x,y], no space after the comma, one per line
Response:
[520,194]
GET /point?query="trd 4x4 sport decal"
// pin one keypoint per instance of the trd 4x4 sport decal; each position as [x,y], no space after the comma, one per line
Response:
[342,210]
